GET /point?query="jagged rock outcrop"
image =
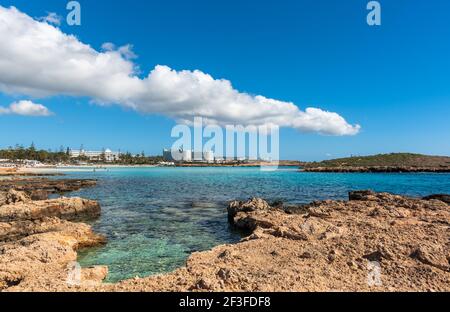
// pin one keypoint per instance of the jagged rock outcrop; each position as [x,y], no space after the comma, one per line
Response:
[14,196]
[362,195]
[40,188]
[38,244]
[64,208]
[41,262]
[374,242]
[237,207]
[442,197]
[39,195]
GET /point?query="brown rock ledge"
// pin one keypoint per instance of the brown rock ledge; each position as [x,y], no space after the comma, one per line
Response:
[40,188]
[322,246]
[38,260]
[38,243]
[64,208]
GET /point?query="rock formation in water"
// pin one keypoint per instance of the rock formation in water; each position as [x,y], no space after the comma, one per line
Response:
[372,242]
[40,188]
[64,208]
[38,244]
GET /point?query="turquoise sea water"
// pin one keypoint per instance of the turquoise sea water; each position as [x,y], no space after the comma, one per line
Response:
[155,217]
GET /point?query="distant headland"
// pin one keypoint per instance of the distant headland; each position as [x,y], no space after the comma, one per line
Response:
[395,162]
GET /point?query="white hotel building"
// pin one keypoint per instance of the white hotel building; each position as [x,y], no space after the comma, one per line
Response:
[188,156]
[109,155]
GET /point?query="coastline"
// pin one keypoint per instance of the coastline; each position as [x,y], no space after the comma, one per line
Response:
[321,246]
[383,163]
[30,172]
[60,170]
[281,163]
[377,169]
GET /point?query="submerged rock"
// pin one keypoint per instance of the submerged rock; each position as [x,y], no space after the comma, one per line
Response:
[39,195]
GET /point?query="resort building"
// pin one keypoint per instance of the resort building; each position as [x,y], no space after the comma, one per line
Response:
[197,156]
[208,156]
[187,156]
[167,155]
[106,155]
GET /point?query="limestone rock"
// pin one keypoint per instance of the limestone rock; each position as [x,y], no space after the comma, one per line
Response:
[65,208]
[94,275]
[362,195]
[254,204]
[14,196]
[442,197]
[326,246]
[433,256]
[39,195]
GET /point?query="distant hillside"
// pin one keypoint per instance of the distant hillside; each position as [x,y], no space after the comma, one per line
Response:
[385,160]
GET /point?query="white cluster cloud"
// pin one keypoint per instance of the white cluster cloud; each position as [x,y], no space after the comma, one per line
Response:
[126,51]
[38,59]
[51,18]
[26,108]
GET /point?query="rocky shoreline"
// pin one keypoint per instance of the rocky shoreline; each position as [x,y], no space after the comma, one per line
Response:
[40,188]
[39,237]
[377,169]
[372,242]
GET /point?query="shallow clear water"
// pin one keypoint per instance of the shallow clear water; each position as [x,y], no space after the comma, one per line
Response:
[155,217]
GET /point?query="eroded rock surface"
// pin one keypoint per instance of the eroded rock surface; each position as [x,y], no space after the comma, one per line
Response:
[64,208]
[41,262]
[38,244]
[40,188]
[374,242]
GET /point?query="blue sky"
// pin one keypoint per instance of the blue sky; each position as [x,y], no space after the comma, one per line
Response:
[393,80]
